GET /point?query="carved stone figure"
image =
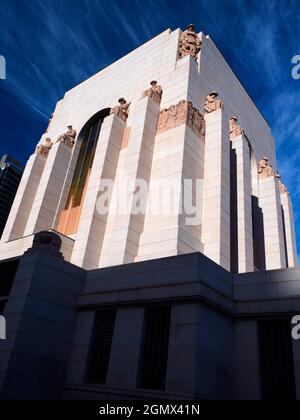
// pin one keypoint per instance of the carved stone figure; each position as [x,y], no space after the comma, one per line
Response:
[155,92]
[190,43]
[182,113]
[172,117]
[263,165]
[196,121]
[44,149]
[121,110]
[47,241]
[282,188]
[235,129]
[68,138]
[264,169]
[49,123]
[163,120]
[212,103]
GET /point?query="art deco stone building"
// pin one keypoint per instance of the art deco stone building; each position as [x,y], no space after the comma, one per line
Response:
[147,304]
[60,192]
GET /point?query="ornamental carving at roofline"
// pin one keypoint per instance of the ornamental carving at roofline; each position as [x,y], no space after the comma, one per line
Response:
[190,43]
[282,188]
[182,113]
[264,169]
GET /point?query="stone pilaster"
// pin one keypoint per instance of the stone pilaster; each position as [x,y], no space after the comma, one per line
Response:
[183,349]
[269,201]
[196,335]
[77,365]
[241,150]
[43,212]
[216,194]
[246,374]
[92,224]
[289,228]
[122,241]
[24,199]
[67,184]
[172,226]
[125,350]
[160,235]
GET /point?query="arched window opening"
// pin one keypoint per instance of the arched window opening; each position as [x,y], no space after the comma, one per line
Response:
[87,139]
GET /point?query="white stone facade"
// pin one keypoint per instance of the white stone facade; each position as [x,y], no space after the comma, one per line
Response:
[136,149]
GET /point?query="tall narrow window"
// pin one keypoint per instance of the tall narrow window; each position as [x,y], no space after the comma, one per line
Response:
[88,139]
[259,252]
[101,346]
[155,345]
[285,239]
[277,362]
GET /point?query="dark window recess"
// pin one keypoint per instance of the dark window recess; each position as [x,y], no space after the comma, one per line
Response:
[259,252]
[234,251]
[277,362]
[285,240]
[7,274]
[155,345]
[101,346]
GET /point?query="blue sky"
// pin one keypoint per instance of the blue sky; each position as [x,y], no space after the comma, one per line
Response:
[52,45]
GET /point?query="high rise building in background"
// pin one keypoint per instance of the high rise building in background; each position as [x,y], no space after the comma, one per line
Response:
[10,176]
[162,254]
